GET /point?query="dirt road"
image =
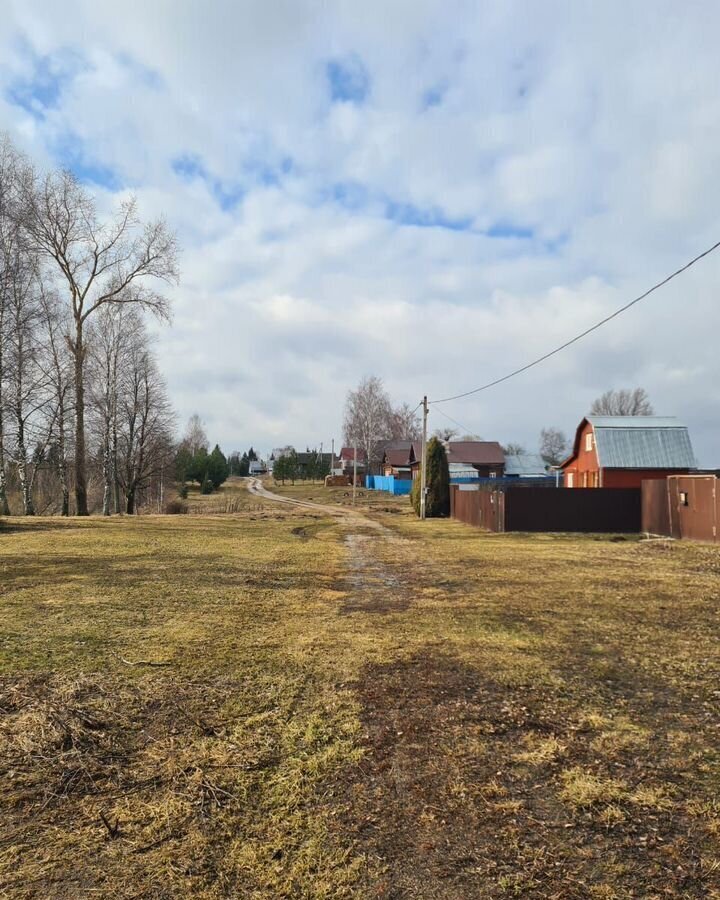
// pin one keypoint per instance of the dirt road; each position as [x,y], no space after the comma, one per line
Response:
[373,585]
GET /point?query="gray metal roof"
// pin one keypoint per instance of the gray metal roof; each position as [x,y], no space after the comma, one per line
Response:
[525,464]
[642,442]
[635,422]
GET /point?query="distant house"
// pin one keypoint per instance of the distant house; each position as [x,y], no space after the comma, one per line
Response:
[485,457]
[624,451]
[347,461]
[256,467]
[397,459]
[470,459]
[525,465]
[309,459]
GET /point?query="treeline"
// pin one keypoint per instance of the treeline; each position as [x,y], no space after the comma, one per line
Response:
[83,407]
[194,463]
[309,466]
[240,465]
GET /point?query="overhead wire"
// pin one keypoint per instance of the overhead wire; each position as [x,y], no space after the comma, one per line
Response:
[583,334]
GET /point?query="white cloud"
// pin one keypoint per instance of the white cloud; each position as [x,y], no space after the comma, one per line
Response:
[578,141]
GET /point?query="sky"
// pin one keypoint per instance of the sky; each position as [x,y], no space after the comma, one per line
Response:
[431,192]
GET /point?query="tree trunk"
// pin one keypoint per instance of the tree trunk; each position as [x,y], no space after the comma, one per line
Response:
[116,478]
[25,485]
[130,501]
[61,464]
[80,468]
[4,506]
[107,478]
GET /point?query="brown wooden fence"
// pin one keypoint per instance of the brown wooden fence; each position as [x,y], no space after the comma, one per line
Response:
[595,510]
[682,507]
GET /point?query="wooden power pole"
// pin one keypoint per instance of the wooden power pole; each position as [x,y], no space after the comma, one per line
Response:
[423,459]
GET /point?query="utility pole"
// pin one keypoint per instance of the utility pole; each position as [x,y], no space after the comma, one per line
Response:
[354,471]
[423,459]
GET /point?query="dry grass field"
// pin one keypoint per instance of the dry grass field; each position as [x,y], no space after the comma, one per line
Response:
[272,703]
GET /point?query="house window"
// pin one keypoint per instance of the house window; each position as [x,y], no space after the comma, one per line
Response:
[588,441]
[571,479]
[684,501]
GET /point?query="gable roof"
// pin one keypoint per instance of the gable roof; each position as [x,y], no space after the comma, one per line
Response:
[347,453]
[483,453]
[525,464]
[640,442]
[398,457]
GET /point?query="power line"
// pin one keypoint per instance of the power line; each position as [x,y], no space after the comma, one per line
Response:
[583,334]
[454,421]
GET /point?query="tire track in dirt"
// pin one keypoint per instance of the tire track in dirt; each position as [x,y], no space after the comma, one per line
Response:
[374,585]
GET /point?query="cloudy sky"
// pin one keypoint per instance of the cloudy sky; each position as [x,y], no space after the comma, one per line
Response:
[431,192]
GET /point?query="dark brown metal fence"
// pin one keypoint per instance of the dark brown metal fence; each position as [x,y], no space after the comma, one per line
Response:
[655,507]
[483,509]
[598,510]
[691,504]
[601,510]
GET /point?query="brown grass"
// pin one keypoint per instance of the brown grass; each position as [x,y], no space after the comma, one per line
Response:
[265,705]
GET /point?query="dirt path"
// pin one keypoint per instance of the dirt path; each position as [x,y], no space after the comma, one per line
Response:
[373,585]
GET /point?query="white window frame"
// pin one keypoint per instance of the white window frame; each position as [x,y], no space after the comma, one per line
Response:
[588,441]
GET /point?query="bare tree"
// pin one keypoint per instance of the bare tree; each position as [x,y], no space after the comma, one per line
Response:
[29,388]
[554,445]
[112,262]
[446,434]
[195,436]
[625,402]
[113,333]
[9,237]
[146,421]
[512,449]
[367,413]
[56,325]
[404,423]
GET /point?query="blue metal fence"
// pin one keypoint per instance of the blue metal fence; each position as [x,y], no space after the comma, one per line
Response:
[500,483]
[388,483]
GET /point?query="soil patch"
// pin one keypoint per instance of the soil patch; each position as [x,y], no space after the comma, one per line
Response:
[374,586]
[470,788]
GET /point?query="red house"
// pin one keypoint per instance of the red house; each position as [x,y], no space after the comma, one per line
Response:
[347,460]
[624,451]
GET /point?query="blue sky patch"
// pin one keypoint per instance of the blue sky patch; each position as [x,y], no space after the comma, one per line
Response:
[407,214]
[433,96]
[71,153]
[348,80]
[41,88]
[511,232]
[190,167]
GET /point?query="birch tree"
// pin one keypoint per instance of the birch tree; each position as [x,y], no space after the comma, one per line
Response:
[8,240]
[98,262]
[56,327]
[29,401]
[146,422]
[367,413]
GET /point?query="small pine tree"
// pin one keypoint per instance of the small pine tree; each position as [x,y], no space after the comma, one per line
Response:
[437,498]
[437,503]
[198,466]
[217,469]
[280,469]
[415,495]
